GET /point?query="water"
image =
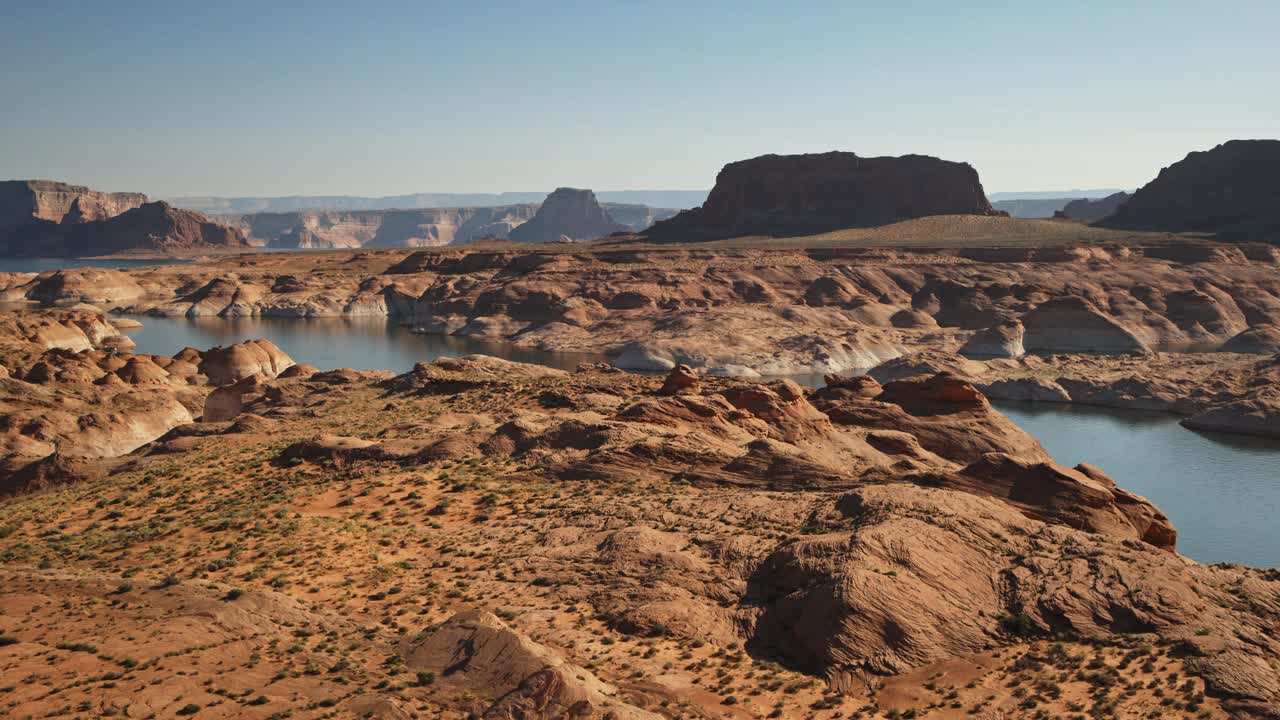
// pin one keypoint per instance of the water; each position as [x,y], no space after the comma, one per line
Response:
[1221,491]
[39,265]
[327,343]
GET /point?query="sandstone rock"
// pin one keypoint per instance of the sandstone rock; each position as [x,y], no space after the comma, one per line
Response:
[1258,339]
[86,285]
[568,212]
[25,201]
[789,195]
[425,227]
[681,379]
[1233,190]
[226,365]
[475,651]
[1073,324]
[1001,341]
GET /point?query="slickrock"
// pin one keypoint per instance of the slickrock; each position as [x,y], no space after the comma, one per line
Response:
[522,678]
[1224,392]
[578,544]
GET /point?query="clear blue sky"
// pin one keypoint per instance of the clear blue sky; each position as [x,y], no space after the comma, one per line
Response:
[372,98]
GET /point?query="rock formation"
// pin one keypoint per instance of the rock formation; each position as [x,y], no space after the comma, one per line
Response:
[44,218]
[72,388]
[316,229]
[1093,210]
[790,195]
[1232,190]
[24,201]
[568,213]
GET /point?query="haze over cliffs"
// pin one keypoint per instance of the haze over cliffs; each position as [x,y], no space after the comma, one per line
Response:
[43,217]
[789,195]
[321,229]
[25,201]
[568,213]
[245,205]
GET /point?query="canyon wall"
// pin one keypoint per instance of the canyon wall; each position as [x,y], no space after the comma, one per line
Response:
[23,201]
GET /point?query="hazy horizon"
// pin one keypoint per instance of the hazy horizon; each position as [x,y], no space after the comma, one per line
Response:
[237,100]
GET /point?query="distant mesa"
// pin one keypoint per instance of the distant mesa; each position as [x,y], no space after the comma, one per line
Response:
[424,227]
[1232,190]
[43,217]
[1092,210]
[791,195]
[569,213]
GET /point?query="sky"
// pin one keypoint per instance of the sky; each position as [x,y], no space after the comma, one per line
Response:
[379,98]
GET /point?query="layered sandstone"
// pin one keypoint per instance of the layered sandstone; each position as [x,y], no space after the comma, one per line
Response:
[790,195]
[319,229]
[24,201]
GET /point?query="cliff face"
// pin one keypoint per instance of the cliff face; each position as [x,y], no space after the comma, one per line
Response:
[568,213]
[407,228]
[790,195]
[154,226]
[637,217]
[380,228]
[23,201]
[1233,190]
[42,217]
[1093,210]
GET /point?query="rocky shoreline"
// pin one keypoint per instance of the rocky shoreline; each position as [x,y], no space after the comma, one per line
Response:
[582,527]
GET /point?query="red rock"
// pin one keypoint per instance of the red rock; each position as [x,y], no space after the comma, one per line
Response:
[789,195]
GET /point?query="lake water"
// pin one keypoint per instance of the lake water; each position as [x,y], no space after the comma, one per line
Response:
[1221,491]
[39,265]
[327,343]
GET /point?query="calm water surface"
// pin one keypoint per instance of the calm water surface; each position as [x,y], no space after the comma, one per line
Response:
[38,265]
[327,343]
[1221,491]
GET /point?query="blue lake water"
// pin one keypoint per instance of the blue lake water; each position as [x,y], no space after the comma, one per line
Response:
[1221,491]
[38,265]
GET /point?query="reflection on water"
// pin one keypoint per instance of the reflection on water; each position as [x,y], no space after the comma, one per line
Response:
[327,343]
[39,265]
[1222,491]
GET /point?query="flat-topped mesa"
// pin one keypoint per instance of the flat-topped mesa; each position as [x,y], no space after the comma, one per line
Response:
[791,195]
[568,213]
[1232,190]
[24,201]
